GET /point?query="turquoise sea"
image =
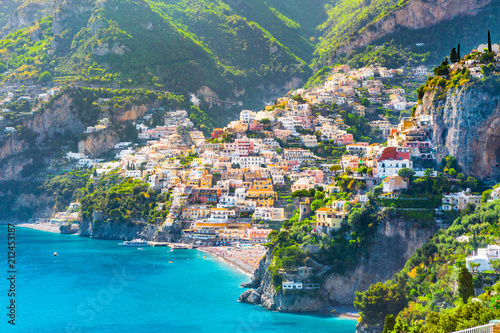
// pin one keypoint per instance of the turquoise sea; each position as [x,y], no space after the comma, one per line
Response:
[97,286]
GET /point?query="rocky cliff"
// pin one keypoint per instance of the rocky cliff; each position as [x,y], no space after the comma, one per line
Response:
[395,241]
[97,143]
[417,14]
[27,14]
[128,230]
[38,133]
[59,126]
[467,122]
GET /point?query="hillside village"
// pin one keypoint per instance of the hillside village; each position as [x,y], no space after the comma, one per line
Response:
[231,186]
[351,135]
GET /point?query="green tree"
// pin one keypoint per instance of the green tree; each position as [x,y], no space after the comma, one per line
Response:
[454,55]
[335,168]
[487,70]
[474,266]
[489,43]
[406,173]
[300,194]
[389,323]
[495,264]
[443,69]
[45,77]
[465,286]
[365,101]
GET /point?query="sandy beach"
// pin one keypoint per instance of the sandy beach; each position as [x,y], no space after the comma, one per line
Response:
[344,311]
[41,226]
[247,260]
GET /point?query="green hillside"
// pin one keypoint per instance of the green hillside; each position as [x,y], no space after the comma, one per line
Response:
[434,42]
[175,45]
[246,50]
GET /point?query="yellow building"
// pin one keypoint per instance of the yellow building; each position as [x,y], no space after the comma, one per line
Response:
[262,184]
[193,182]
[261,194]
[207,230]
[206,181]
[262,198]
[192,213]
[234,231]
[329,218]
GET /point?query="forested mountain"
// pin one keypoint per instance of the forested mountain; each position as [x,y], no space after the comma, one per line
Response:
[240,50]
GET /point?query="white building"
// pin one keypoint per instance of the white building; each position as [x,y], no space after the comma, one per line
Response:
[290,285]
[226,201]
[133,173]
[391,167]
[246,116]
[483,257]
[456,201]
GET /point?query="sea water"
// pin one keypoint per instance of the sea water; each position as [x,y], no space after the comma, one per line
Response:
[98,286]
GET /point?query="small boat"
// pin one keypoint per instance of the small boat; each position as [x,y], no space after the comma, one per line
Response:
[55,254]
[135,243]
[169,262]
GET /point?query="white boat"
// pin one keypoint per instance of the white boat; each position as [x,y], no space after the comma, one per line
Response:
[135,243]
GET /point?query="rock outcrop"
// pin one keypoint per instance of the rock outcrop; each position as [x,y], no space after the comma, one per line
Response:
[417,14]
[467,122]
[63,117]
[129,230]
[27,14]
[97,143]
[394,243]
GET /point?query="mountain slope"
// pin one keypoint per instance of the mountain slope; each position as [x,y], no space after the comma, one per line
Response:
[237,50]
[184,48]
[353,24]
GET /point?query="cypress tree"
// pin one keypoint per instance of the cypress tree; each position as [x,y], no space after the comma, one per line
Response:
[453,56]
[489,43]
[465,286]
[389,323]
[458,52]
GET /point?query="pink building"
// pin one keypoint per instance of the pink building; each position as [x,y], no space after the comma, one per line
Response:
[255,126]
[317,174]
[344,139]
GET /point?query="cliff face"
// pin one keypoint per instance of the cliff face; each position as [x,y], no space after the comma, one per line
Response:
[97,143]
[63,118]
[27,14]
[19,150]
[394,242]
[127,231]
[417,14]
[467,122]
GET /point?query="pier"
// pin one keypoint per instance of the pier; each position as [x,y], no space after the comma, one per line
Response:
[172,245]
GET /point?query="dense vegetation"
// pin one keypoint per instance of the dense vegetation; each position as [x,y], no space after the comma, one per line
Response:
[340,251]
[122,200]
[232,47]
[181,46]
[425,287]
[348,19]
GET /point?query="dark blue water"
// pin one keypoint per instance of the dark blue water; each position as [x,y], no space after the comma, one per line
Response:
[97,286]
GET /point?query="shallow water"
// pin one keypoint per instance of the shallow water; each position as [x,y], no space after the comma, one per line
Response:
[97,286]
